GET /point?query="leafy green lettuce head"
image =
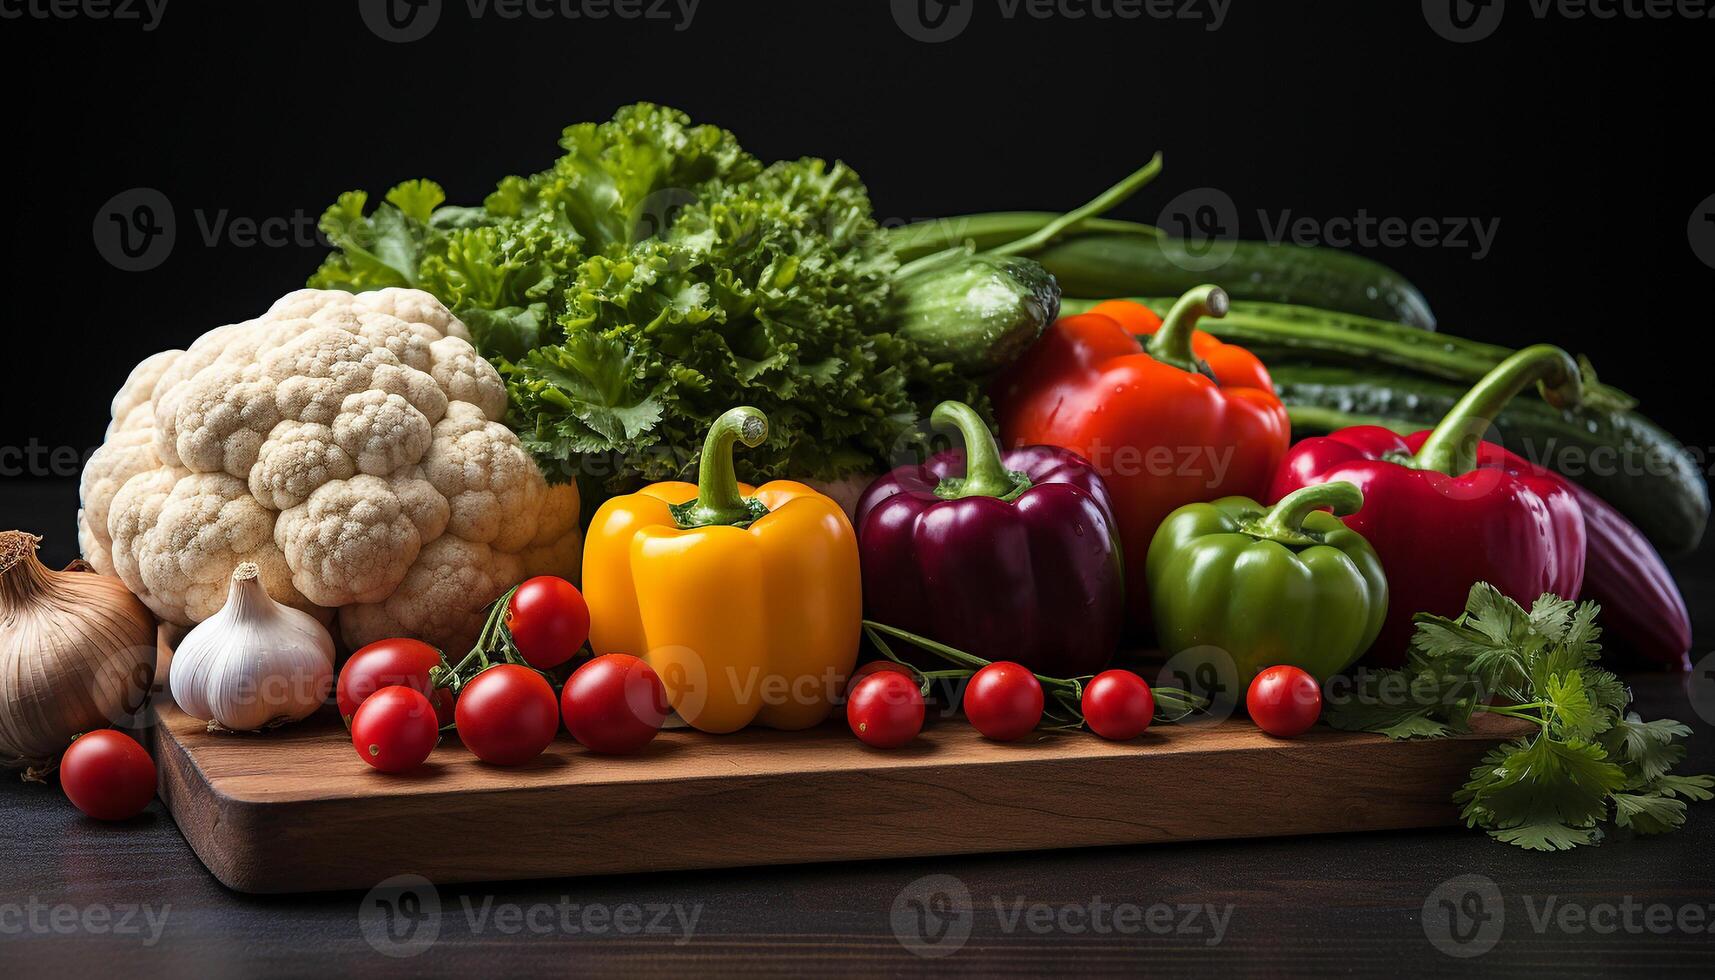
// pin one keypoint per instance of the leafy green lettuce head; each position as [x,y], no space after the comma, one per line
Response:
[655,276]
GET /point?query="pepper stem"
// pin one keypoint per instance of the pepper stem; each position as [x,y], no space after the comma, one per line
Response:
[718,498]
[1452,447]
[1171,344]
[986,474]
[1285,522]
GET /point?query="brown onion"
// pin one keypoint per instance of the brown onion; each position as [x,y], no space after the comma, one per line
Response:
[77,653]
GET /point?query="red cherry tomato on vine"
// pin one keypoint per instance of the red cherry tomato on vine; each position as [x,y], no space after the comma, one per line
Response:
[1004,701]
[107,775]
[874,666]
[385,663]
[549,621]
[395,729]
[885,709]
[614,704]
[507,715]
[1284,701]
[1118,705]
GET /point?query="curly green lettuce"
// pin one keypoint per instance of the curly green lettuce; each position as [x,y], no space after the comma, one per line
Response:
[655,276]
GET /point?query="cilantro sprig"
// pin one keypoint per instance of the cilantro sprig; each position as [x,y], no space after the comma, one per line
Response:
[1589,761]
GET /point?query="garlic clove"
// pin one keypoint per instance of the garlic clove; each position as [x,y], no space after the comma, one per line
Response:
[255,664]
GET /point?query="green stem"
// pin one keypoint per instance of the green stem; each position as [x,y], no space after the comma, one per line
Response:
[986,474]
[1285,523]
[1512,712]
[1452,447]
[930,261]
[1172,343]
[718,498]
[1108,200]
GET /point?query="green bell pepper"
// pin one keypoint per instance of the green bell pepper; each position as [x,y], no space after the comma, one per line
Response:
[1264,587]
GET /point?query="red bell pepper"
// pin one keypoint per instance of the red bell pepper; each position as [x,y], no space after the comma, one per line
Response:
[1445,510]
[1167,414]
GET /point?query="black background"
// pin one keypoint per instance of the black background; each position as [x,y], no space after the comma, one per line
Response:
[1575,134]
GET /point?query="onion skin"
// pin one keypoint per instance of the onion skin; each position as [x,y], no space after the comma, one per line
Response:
[77,653]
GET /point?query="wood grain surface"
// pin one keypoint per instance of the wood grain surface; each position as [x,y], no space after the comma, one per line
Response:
[284,811]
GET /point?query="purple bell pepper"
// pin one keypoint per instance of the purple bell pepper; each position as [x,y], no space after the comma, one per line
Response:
[1008,556]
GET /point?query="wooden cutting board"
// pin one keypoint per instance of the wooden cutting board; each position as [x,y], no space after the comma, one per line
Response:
[297,810]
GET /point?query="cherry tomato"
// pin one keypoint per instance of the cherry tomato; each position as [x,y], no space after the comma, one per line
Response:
[395,729]
[507,715]
[1118,705]
[885,709]
[386,663]
[107,775]
[549,621]
[1004,701]
[614,704]
[872,667]
[1284,701]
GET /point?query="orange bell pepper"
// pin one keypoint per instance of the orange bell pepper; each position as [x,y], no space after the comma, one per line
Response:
[1167,414]
[747,602]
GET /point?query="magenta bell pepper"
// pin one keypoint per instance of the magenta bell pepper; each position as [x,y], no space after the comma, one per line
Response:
[1008,556]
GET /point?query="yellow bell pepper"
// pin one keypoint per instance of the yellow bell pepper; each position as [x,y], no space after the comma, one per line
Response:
[747,602]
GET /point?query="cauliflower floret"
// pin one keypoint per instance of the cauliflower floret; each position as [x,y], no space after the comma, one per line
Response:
[350,446]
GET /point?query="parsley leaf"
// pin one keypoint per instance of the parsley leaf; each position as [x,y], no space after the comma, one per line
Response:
[1588,762]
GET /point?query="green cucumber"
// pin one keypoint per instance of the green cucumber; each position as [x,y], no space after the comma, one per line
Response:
[977,312]
[1104,258]
[1620,455]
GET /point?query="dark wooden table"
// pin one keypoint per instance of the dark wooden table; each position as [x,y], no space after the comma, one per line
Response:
[81,898]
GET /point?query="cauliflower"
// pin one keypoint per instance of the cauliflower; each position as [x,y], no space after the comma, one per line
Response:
[348,444]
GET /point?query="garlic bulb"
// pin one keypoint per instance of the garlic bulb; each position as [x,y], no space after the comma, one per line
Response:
[255,663]
[77,653]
